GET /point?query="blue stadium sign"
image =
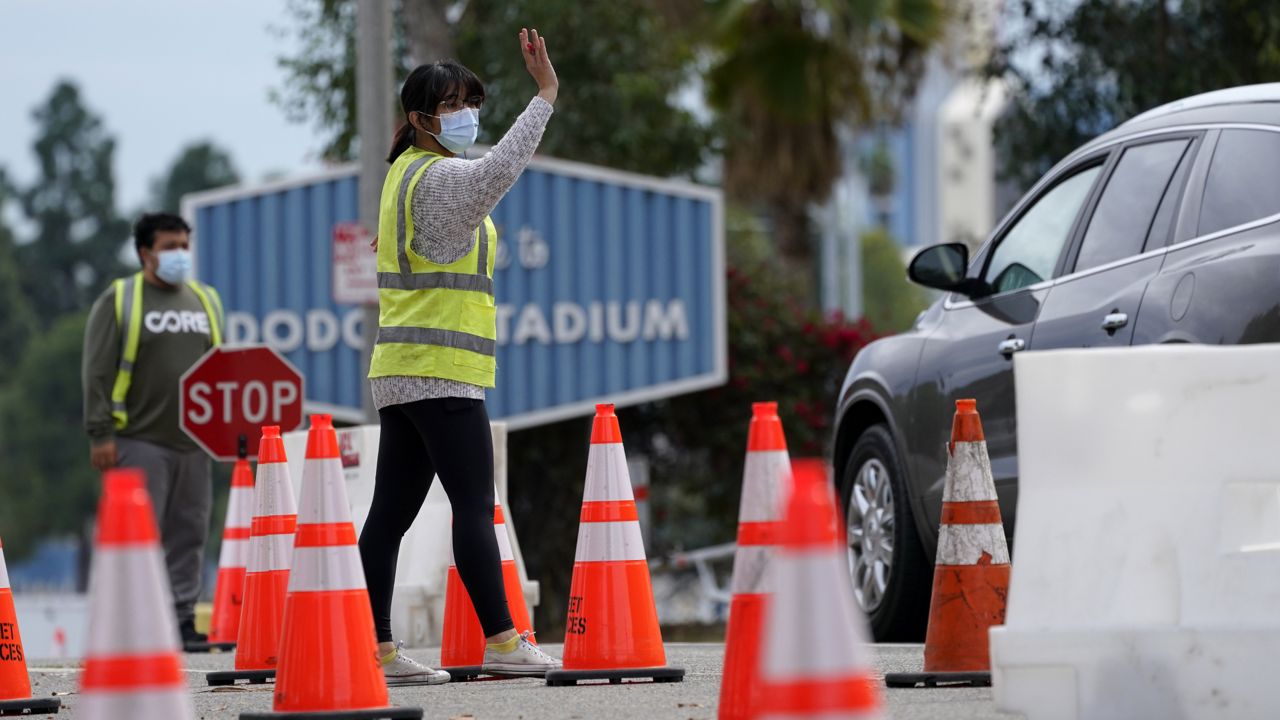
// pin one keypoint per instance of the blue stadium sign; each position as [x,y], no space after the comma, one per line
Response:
[610,286]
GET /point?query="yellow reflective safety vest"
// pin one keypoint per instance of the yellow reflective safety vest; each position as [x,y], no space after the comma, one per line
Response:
[129,306]
[433,320]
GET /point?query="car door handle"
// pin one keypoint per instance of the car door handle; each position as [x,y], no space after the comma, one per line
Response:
[1012,345]
[1114,321]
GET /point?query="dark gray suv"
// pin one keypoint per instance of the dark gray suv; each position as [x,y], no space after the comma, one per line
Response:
[1164,230]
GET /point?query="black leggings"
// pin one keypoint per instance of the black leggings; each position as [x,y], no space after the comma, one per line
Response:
[449,437]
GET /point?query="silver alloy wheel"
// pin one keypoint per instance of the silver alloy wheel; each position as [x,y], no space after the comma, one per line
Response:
[870,533]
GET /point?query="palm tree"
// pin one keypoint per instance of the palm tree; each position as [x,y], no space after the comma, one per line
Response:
[787,73]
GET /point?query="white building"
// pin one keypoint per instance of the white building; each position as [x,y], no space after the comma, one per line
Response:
[944,162]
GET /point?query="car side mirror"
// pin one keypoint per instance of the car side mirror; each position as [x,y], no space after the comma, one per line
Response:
[943,267]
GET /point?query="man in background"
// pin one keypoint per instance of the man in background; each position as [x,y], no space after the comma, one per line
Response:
[144,332]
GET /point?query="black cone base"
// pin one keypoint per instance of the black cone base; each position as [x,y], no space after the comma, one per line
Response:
[463,673]
[204,647]
[231,677]
[938,679]
[388,713]
[34,706]
[557,678]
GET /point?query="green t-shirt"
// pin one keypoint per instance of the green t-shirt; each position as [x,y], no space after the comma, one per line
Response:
[175,333]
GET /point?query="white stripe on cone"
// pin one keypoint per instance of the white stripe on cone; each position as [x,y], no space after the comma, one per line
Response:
[813,634]
[969,478]
[504,543]
[751,569]
[270,552]
[273,494]
[609,541]
[140,704]
[966,544]
[324,492]
[4,573]
[234,554]
[130,609]
[335,567]
[240,507]
[763,477]
[608,479]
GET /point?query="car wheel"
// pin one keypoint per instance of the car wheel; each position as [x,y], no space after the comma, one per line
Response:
[891,575]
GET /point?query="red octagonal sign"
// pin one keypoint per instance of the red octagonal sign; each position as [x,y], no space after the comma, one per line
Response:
[231,393]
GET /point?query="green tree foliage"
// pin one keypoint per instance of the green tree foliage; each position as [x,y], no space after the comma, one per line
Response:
[1075,70]
[319,89]
[78,233]
[891,302]
[320,83]
[48,486]
[16,320]
[200,166]
[788,73]
[620,65]
[616,60]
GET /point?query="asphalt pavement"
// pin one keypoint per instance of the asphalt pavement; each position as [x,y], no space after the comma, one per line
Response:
[529,699]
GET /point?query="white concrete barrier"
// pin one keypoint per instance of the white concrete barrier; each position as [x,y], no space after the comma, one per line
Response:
[1146,574]
[417,606]
[54,626]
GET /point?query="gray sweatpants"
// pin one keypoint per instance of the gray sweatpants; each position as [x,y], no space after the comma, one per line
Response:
[182,493]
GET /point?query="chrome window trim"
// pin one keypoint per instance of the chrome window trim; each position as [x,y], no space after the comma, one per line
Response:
[949,304]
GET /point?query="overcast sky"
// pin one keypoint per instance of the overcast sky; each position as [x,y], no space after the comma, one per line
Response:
[161,74]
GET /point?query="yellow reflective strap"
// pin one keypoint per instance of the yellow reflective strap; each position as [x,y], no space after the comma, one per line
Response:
[135,322]
[119,412]
[215,316]
[217,306]
[119,286]
[128,295]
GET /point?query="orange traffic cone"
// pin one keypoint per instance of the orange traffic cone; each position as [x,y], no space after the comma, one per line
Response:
[15,684]
[612,631]
[971,576]
[462,642]
[764,485]
[815,660]
[132,666]
[266,580]
[228,593]
[328,653]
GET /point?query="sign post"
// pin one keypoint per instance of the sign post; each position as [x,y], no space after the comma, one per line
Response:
[230,393]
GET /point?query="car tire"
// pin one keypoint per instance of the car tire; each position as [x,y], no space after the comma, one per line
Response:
[899,610]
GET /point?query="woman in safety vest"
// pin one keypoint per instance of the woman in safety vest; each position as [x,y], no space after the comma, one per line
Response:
[437,333]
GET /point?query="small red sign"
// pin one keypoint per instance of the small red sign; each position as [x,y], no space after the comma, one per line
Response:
[355,266]
[233,392]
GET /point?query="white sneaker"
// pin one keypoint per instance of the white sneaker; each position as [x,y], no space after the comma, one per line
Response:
[526,659]
[402,669]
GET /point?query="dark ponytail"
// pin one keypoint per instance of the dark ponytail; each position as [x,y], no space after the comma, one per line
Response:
[402,141]
[423,91]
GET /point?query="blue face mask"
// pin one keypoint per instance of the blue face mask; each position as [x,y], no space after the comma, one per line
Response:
[174,267]
[458,130]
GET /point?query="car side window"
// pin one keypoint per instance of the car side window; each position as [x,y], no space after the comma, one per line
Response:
[1123,217]
[1030,249]
[1243,180]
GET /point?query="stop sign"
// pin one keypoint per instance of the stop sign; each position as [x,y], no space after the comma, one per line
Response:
[233,392]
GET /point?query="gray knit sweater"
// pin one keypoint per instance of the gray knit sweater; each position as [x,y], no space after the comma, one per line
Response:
[449,203]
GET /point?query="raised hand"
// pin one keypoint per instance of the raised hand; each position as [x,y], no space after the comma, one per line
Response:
[536,61]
